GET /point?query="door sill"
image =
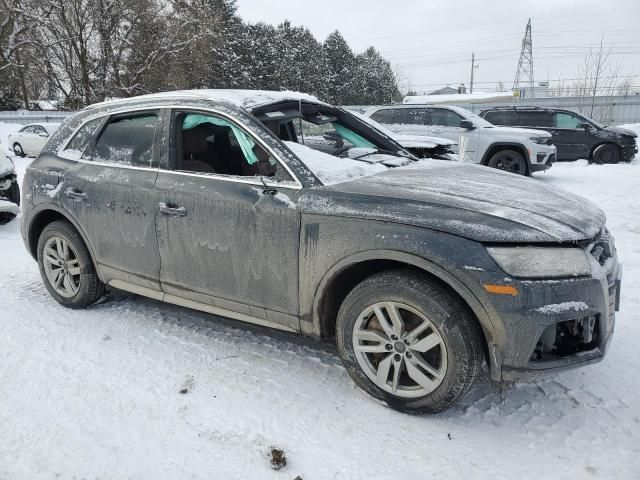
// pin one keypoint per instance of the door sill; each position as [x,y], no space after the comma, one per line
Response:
[203,307]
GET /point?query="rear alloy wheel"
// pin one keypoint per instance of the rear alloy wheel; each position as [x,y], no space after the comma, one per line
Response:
[409,342]
[509,161]
[66,266]
[606,153]
[17,150]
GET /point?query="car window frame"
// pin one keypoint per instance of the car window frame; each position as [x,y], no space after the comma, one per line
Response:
[26,128]
[571,114]
[259,181]
[432,109]
[167,109]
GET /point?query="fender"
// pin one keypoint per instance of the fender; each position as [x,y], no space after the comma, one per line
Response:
[491,330]
[35,213]
[485,158]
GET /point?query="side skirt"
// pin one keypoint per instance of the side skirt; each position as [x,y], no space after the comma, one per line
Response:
[203,307]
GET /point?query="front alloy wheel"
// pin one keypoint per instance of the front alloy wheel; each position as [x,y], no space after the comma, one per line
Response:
[409,341]
[399,349]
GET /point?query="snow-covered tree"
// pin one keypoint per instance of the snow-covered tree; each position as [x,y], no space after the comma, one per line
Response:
[341,69]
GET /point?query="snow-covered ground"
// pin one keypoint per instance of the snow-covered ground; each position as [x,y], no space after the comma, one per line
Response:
[96,394]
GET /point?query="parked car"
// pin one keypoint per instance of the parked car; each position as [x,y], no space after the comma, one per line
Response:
[30,139]
[422,146]
[575,135]
[421,269]
[510,149]
[9,190]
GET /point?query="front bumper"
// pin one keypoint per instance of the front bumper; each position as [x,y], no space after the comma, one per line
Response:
[542,157]
[551,324]
[629,151]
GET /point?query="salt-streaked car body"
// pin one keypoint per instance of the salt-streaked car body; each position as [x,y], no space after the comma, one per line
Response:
[217,200]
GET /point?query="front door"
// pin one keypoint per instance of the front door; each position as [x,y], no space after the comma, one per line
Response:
[446,124]
[113,192]
[227,239]
[570,137]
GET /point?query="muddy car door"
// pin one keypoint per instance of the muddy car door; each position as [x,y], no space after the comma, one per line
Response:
[114,193]
[228,237]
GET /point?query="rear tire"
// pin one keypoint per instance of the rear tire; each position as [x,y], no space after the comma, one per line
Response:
[606,153]
[70,278]
[509,161]
[430,362]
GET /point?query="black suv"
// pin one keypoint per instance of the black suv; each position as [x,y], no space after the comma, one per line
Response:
[574,135]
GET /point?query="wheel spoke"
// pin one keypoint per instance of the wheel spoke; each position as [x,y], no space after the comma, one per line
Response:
[383,370]
[396,319]
[382,318]
[417,361]
[73,267]
[420,378]
[427,343]
[53,260]
[413,334]
[371,336]
[397,367]
[68,284]
[59,277]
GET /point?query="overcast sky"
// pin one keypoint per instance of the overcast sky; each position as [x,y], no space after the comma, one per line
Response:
[432,41]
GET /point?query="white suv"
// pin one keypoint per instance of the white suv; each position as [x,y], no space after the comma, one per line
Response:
[515,150]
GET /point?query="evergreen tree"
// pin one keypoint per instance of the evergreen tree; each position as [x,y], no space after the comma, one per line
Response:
[340,69]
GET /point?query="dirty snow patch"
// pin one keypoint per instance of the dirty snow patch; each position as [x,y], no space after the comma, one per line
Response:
[563,307]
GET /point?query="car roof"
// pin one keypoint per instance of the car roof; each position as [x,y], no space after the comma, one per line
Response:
[528,108]
[240,98]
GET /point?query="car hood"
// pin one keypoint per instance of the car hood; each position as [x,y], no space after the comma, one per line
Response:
[520,132]
[417,141]
[471,201]
[623,131]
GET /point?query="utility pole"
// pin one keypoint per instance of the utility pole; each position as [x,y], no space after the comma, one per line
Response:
[473,62]
[525,64]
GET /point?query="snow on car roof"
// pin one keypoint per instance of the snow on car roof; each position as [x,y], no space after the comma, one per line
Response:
[241,98]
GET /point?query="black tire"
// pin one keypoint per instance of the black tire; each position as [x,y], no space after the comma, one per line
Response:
[509,161]
[606,153]
[91,289]
[449,315]
[18,150]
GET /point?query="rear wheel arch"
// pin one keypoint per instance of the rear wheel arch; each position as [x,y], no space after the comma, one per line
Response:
[45,216]
[607,143]
[349,272]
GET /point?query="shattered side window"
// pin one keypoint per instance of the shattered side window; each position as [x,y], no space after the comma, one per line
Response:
[128,140]
[75,148]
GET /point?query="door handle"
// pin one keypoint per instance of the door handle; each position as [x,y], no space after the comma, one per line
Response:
[172,210]
[75,194]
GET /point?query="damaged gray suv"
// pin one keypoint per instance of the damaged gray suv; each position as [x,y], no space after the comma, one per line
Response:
[277,209]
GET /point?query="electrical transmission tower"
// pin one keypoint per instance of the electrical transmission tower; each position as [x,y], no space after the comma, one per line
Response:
[524,74]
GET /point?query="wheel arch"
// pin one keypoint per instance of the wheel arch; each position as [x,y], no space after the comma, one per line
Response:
[350,271]
[496,147]
[46,215]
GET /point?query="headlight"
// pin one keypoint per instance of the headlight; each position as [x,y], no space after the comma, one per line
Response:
[541,140]
[541,262]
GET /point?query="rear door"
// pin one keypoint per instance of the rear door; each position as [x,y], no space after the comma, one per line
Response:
[228,238]
[569,137]
[112,194]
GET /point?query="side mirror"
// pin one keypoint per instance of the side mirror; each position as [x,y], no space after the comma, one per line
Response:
[585,126]
[43,134]
[467,124]
[334,137]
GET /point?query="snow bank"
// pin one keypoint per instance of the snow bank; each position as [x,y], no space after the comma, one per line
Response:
[330,169]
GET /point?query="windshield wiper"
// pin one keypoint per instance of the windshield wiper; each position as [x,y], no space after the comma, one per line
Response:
[382,151]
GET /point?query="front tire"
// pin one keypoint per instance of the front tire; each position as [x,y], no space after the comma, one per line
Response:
[509,161]
[606,154]
[409,342]
[66,267]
